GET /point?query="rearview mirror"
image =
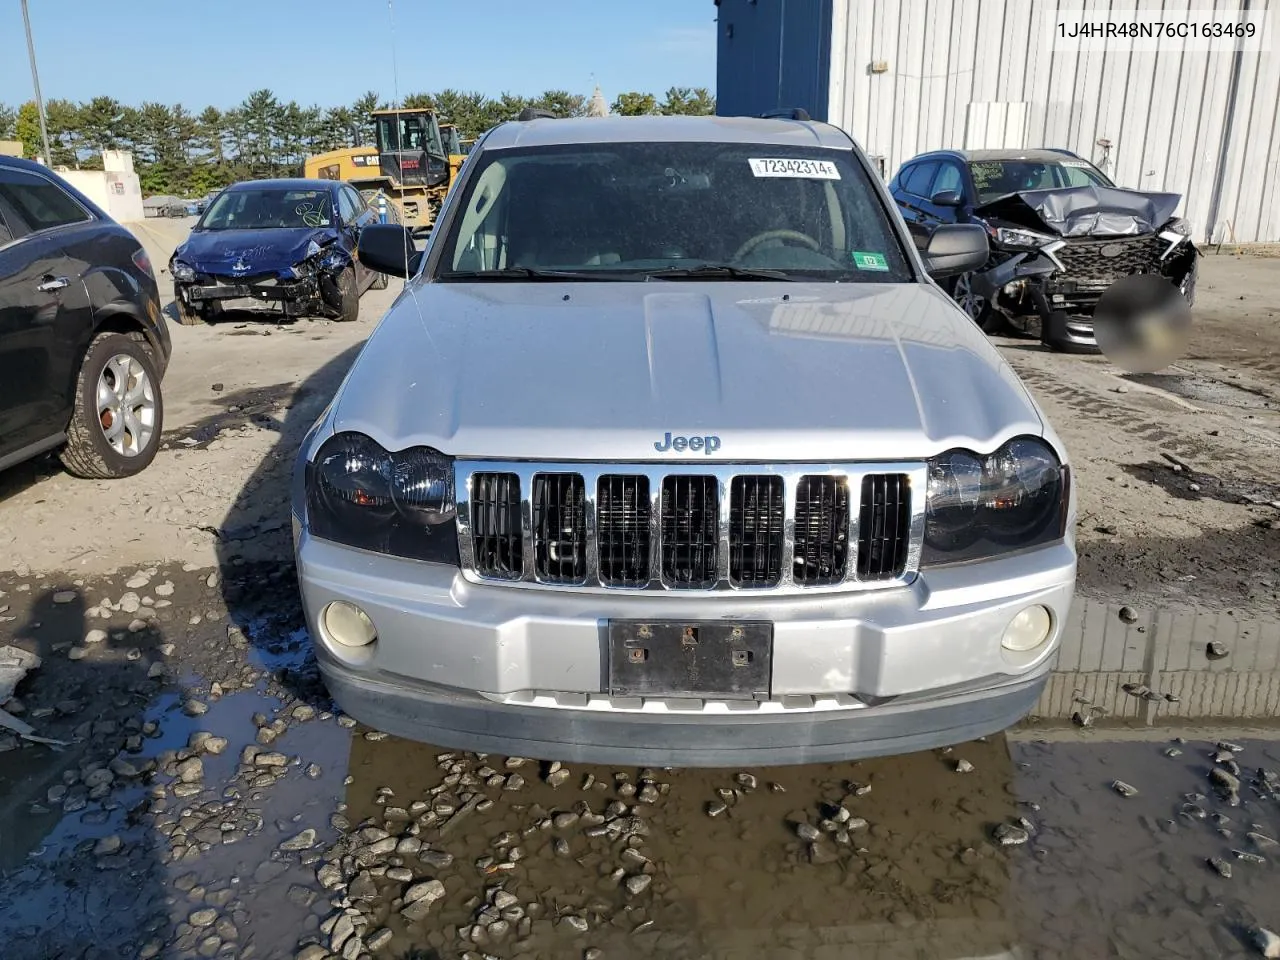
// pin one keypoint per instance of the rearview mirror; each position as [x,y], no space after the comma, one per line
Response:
[945,198]
[955,248]
[388,248]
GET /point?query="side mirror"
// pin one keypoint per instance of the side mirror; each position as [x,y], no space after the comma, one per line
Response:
[945,198]
[955,248]
[388,248]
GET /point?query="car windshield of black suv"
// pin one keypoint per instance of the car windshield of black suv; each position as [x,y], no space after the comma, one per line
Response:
[999,178]
[671,211]
[267,209]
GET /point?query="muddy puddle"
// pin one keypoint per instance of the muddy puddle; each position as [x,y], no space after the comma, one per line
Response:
[217,806]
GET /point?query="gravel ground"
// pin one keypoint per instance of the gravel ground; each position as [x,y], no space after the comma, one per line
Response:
[206,800]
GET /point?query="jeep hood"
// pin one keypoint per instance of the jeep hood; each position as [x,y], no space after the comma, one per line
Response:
[261,251]
[604,371]
[1084,211]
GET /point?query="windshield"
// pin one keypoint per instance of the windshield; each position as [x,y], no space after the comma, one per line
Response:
[999,178]
[268,208]
[635,210]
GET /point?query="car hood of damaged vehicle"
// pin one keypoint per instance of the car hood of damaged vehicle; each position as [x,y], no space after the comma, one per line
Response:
[251,251]
[1084,211]
[606,370]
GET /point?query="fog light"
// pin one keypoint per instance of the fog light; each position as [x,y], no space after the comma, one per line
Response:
[348,625]
[1027,630]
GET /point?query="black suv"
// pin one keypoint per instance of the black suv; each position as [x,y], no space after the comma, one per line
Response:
[1059,231]
[83,344]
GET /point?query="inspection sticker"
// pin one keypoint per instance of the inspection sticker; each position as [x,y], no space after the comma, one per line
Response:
[794,167]
[865,260]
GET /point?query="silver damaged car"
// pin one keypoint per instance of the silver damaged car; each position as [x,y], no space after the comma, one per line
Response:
[672,452]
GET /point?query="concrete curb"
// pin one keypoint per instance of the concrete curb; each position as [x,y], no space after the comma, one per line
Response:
[1164,648]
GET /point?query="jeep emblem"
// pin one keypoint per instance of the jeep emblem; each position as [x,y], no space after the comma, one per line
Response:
[708,444]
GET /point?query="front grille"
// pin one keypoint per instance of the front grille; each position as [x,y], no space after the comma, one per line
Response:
[690,531]
[822,530]
[496,526]
[725,527]
[622,531]
[559,528]
[883,526]
[756,514]
[1084,263]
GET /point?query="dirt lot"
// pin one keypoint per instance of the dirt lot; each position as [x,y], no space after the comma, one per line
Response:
[205,798]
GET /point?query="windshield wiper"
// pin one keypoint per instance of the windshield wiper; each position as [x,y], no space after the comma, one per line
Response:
[525,273]
[715,271]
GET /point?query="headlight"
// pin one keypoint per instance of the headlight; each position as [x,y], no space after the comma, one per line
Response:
[181,271]
[983,506]
[1010,237]
[313,250]
[400,503]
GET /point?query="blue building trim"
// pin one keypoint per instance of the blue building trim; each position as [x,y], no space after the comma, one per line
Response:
[773,54]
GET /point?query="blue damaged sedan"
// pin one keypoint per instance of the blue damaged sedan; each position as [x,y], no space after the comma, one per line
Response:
[288,243]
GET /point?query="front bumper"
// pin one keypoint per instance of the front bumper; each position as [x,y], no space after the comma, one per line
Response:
[305,290]
[524,672]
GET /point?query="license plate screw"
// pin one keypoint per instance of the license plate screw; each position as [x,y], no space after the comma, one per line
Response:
[645,632]
[738,633]
[636,656]
[741,658]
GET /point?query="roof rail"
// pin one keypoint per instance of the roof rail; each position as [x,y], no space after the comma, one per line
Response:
[787,113]
[537,113]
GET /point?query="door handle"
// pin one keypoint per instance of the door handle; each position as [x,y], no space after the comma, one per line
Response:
[52,283]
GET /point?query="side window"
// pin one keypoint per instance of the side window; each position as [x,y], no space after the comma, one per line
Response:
[5,234]
[358,199]
[920,178]
[36,203]
[348,210]
[948,178]
[898,177]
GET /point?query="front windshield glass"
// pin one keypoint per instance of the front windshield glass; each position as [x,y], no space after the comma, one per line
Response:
[999,178]
[268,208]
[634,210]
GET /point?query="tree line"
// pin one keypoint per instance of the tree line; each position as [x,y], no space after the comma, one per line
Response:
[189,154]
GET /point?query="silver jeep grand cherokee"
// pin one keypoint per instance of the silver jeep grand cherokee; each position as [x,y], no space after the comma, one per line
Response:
[671,452]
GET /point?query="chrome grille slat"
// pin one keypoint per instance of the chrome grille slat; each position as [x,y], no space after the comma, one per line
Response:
[739,527]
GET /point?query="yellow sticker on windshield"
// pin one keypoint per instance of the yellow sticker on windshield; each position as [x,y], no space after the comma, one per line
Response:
[794,167]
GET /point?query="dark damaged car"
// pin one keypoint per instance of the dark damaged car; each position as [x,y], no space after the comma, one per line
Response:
[289,244]
[1060,233]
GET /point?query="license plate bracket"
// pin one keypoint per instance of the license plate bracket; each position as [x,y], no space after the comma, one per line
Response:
[690,658]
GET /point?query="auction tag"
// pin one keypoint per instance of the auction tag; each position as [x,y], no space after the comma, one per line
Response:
[865,260]
[794,167]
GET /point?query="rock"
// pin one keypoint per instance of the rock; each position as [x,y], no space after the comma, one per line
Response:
[1260,840]
[329,875]
[215,745]
[560,846]
[194,708]
[399,874]
[107,845]
[312,951]
[1128,615]
[273,759]
[575,923]
[378,939]
[428,890]
[1265,942]
[1216,650]
[363,887]
[64,596]
[313,771]
[1226,784]
[1008,835]
[806,831]
[95,636]
[964,766]
[1221,866]
[191,770]
[130,603]
[203,918]
[343,930]
[304,711]
[638,884]
[715,808]
[77,653]
[1172,752]
[557,777]
[514,782]
[302,841]
[1124,789]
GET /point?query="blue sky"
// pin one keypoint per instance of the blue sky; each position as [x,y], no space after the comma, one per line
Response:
[198,52]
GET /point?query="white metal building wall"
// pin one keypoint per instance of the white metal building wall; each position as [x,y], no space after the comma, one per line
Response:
[985,67]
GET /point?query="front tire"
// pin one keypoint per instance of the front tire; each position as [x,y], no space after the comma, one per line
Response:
[380,281]
[348,296]
[978,308]
[118,412]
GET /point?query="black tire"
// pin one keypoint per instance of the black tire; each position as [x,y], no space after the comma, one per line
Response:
[987,319]
[88,453]
[189,315]
[348,296]
[380,281]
